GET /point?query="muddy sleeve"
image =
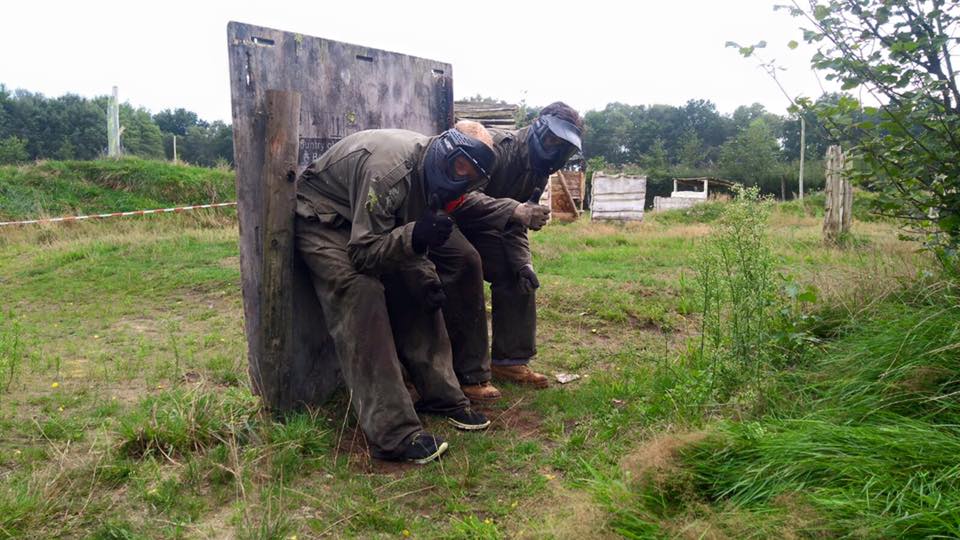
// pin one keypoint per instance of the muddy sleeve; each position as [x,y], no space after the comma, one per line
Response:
[479,211]
[377,243]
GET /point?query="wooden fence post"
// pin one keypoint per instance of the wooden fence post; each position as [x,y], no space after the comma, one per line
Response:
[270,368]
[839,197]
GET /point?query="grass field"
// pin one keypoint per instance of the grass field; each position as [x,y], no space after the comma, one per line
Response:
[125,410]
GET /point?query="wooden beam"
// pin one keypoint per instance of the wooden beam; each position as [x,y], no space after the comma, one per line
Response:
[281,144]
[566,191]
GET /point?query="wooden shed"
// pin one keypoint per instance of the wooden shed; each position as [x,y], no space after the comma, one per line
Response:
[620,197]
[565,196]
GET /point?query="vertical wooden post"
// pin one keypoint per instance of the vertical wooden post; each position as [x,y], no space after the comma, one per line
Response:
[839,196]
[113,125]
[803,145]
[270,368]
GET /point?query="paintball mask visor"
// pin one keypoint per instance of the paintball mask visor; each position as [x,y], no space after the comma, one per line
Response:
[563,129]
[455,144]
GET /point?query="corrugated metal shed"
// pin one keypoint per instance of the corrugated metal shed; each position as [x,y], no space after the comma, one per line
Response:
[619,197]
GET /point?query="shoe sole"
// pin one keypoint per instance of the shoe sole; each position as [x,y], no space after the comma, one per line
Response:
[468,427]
[440,450]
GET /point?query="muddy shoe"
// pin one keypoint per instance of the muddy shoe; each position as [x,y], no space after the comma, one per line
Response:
[521,374]
[421,448]
[481,393]
[468,419]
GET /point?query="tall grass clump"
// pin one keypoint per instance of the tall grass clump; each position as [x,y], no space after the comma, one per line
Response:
[181,421]
[863,441]
[738,292]
[12,349]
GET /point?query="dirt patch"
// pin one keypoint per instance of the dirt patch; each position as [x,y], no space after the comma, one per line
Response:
[525,423]
[230,262]
[925,379]
[563,513]
[353,445]
[659,454]
[801,517]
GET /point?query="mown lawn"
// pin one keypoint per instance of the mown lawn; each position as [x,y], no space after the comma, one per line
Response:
[125,410]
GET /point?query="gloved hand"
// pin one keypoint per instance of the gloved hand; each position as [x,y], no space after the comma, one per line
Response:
[527,280]
[532,214]
[434,296]
[432,229]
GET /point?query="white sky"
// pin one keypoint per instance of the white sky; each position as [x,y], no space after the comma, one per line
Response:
[174,53]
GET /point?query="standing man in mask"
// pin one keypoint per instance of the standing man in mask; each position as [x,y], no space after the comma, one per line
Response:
[369,210]
[495,221]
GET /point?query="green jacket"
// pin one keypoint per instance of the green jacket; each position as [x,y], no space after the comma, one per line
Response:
[512,182]
[373,181]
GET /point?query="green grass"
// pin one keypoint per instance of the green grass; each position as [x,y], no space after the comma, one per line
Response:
[865,436]
[59,188]
[125,409]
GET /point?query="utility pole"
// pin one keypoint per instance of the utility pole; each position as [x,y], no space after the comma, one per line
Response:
[113,125]
[803,148]
[174,148]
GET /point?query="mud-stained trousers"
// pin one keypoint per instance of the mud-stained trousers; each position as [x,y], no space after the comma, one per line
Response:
[359,310]
[465,314]
[464,261]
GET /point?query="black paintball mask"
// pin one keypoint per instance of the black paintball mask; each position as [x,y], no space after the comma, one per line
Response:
[441,179]
[549,153]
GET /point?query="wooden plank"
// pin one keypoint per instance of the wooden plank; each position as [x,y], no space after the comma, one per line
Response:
[567,194]
[344,88]
[617,197]
[271,367]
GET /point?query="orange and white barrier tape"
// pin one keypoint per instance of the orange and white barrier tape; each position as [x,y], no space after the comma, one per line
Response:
[116,214]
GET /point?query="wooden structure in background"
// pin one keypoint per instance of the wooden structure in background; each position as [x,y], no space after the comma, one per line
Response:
[838,211]
[343,89]
[687,198]
[565,195]
[617,198]
[491,115]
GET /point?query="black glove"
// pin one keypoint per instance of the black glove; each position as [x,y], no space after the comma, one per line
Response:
[434,296]
[432,229]
[527,280]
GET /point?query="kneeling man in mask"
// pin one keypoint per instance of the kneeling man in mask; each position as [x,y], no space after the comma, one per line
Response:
[369,210]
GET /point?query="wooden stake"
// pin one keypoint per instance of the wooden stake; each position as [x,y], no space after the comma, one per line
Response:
[276,300]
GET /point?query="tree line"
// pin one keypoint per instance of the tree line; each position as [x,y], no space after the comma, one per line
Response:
[33,126]
[752,145]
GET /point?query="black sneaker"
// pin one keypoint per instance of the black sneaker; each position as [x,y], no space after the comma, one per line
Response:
[423,448]
[468,419]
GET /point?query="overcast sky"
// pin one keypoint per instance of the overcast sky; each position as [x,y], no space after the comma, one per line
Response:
[588,53]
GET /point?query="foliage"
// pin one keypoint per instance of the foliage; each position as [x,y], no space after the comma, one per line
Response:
[899,53]
[33,126]
[140,135]
[752,155]
[738,295]
[13,150]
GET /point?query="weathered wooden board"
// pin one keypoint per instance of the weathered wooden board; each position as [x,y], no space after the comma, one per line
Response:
[344,89]
[619,197]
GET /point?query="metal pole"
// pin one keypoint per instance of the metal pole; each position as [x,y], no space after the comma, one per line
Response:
[803,147]
[174,148]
